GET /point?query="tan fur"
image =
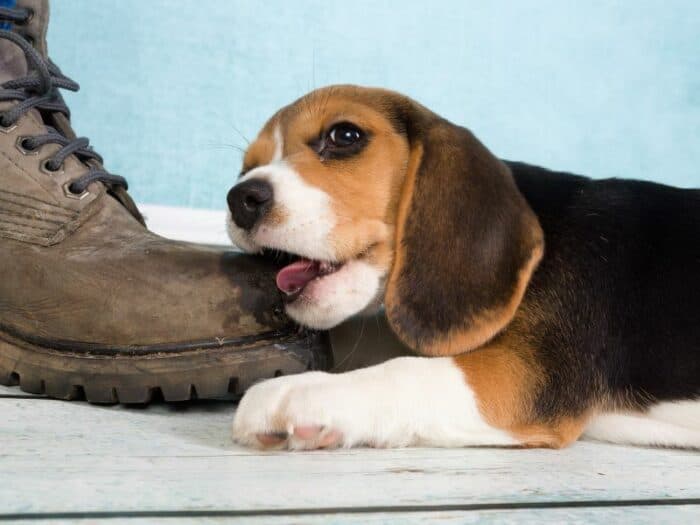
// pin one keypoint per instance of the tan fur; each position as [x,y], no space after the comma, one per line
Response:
[261,150]
[505,379]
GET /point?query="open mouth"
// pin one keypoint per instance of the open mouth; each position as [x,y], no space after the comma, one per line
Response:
[299,272]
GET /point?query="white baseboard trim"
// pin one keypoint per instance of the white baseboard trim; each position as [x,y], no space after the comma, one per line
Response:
[187,224]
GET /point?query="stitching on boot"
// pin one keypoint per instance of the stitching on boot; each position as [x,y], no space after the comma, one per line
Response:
[18,221]
[28,197]
[48,229]
[40,216]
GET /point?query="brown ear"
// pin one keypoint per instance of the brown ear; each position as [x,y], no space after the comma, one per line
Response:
[467,242]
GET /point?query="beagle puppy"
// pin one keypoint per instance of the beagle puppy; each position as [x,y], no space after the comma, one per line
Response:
[544,305]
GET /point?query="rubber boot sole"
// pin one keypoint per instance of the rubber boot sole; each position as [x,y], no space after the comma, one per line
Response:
[139,377]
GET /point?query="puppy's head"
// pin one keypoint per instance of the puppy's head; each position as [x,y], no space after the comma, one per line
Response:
[374,199]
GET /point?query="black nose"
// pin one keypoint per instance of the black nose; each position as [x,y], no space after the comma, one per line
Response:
[249,201]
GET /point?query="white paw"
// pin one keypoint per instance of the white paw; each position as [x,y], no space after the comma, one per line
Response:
[302,412]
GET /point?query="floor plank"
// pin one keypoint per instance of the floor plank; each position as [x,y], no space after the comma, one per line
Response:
[75,457]
[639,515]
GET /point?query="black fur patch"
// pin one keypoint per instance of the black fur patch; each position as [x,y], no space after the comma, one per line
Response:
[614,307]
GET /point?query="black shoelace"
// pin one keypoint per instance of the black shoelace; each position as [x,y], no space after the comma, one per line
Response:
[39,90]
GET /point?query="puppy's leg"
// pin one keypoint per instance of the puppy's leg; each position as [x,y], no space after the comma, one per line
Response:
[402,402]
[408,401]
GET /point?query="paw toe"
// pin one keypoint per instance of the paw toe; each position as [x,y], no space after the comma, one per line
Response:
[308,432]
[271,439]
[331,439]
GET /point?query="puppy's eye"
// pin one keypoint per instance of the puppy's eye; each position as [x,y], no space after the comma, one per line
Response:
[344,135]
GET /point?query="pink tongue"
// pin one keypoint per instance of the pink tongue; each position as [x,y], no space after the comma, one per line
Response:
[295,276]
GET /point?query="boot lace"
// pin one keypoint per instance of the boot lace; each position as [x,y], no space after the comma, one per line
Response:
[39,90]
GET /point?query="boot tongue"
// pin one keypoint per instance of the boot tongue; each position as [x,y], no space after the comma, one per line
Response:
[13,64]
[297,275]
[38,24]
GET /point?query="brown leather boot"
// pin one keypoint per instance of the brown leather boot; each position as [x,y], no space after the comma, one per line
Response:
[91,301]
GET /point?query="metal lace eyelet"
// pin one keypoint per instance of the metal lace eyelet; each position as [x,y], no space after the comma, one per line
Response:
[73,195]
[20,143]
[45,167]
[7,129]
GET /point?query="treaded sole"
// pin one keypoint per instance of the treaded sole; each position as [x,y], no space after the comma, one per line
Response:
[216,373]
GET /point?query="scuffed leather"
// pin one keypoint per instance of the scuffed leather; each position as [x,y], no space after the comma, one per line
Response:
[113,282]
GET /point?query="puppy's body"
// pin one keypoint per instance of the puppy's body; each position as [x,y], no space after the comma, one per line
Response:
[613,306]
[552,304]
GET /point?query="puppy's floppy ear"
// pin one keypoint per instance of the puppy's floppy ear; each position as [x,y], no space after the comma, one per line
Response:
[467,242]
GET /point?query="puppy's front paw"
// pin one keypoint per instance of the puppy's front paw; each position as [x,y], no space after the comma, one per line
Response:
[291,412]
[405,401]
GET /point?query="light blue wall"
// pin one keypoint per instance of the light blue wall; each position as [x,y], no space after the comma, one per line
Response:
[606,88]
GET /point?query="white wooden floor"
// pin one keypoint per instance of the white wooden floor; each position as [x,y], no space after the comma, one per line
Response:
[67,461]
[62,462]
